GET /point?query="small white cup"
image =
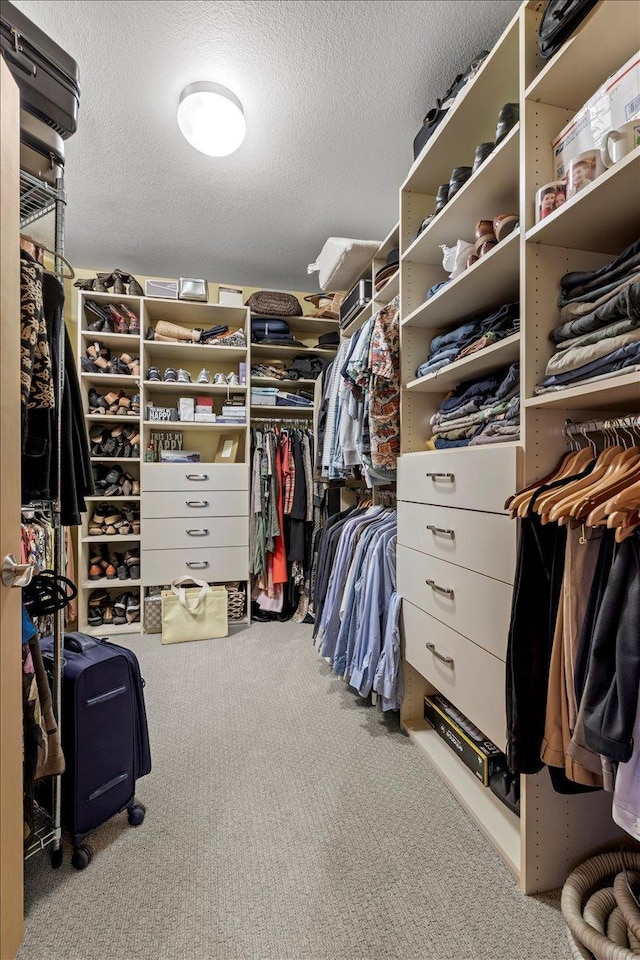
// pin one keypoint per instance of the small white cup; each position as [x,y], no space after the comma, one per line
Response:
[616,144]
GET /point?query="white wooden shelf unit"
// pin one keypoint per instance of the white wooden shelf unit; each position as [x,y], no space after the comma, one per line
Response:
[165,520]
[462,491]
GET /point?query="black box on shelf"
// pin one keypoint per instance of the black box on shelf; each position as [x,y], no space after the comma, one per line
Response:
[478,753]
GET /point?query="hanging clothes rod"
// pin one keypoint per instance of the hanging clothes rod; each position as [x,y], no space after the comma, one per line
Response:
[279,423]
[601,426]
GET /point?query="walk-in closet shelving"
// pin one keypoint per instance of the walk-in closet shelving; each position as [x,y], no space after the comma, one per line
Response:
[464,490]
[166,501]
[39,199]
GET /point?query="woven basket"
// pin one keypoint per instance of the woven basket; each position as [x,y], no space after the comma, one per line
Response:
[235,604]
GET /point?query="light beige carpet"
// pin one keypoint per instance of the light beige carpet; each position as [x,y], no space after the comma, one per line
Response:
[286,820]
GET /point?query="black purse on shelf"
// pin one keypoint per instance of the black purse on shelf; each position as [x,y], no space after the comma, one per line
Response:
[437,114]
[560,19]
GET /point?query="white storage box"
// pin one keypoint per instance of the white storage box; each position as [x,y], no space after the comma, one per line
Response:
[264,396]
[614,103]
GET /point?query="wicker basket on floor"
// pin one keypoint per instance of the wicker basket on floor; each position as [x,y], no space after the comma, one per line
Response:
[235,603]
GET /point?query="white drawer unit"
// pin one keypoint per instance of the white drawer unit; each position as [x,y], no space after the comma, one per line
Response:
[178,533]
[194,477]
[212,564]
[478,607]
[484,542]
[472,478]
[472,678]
[194,503]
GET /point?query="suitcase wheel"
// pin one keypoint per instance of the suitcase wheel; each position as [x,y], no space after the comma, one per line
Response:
[82,857]
[136,814]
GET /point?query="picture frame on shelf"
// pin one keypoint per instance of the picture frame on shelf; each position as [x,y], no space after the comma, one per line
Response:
[227,450]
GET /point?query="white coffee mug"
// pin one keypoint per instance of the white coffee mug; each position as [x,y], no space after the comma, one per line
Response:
[583,170]
[616,144]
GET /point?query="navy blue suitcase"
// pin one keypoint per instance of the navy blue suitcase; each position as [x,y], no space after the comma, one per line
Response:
[104,735]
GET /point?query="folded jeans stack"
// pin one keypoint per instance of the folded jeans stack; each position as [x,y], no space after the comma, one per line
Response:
[470,337]
[599,336]
[479,411]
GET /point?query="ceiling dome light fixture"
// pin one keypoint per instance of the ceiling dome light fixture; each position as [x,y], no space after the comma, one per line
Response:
[211,118]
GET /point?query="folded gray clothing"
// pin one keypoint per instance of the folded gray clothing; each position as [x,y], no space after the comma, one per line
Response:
[583,305]
[613,330]
[577,278]
[624,304]
[473,419]
[565,360]
[471,407]
[615,270]
[616,360]
[496,433]
[632,368]
[459,433]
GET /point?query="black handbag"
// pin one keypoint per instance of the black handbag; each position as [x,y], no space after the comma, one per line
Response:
[559,20]
[45,73]
[437,114]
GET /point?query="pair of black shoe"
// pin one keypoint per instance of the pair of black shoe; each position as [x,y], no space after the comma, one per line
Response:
[507,119]
[117,442]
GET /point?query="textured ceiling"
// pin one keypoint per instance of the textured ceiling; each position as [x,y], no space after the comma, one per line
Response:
[333,93]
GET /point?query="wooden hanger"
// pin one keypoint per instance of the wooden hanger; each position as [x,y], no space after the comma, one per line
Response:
[593,509]
[558,505]
[573,463]
[37,250]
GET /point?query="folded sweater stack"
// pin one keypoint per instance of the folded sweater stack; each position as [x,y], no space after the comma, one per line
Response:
[599,336]
[479,412]
[471,336]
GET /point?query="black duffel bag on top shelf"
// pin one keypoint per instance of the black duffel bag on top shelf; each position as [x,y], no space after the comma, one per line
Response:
[437,114]
[45,73]
[560,19]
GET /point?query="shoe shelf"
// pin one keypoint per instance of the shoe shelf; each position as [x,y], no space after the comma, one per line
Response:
[311,324]
[285,384]
[358,321]
[479,364]
[605,40]
[132,302]
[603,218]
[160,388]
[193,425]
[621,393]
[493,279]
[492,190]
[104,538]
[390,290]
[494,819]
[116,584]
[473,120]
[193,314]
[122,342]
[113,630]
[111,380]
[111,418]
[275,350]
[115,460]
[198,352]
[99,499]
[258,410]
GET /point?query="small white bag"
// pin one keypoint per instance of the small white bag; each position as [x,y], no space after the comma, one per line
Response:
[198,613]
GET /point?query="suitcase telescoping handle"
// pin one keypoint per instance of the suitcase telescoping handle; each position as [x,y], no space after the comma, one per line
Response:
[18,57]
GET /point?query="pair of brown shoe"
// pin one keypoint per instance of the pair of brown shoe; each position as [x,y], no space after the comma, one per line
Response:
[488,233]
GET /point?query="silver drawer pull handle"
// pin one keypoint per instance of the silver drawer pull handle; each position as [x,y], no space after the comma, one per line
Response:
[196,503]
[448,660]
[448,592]
[442,476]
[197,476]
[441,530]
[198,565]
[198,533]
